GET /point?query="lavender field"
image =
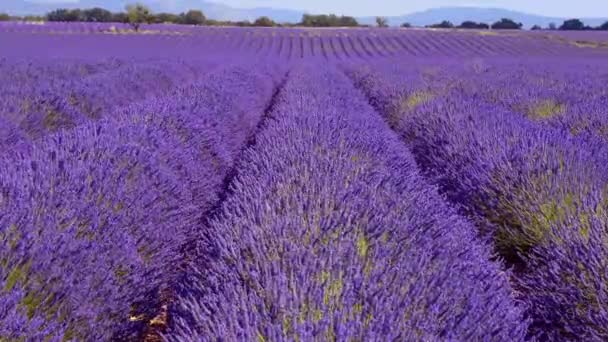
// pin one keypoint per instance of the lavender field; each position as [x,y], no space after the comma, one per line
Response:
[249,184]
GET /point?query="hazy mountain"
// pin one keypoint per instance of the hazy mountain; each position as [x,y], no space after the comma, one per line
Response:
[487,15]
[223,12]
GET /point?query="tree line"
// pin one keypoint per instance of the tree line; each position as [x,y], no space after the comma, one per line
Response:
[138,14]
[508,24]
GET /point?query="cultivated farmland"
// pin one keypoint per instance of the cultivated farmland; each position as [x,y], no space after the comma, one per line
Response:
[249,184]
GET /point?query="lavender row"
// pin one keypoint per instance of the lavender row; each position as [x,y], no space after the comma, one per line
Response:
[567,95]
[49,106]
[563,96]
[93,219]
[538,193]
[29,72]
[287,43]
[330,233]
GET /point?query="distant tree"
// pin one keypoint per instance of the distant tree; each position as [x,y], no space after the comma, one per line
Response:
[346,21]
[381,22]
[603,27]
[89,15]
[406,25]
[324,20]
[66,15]
[443,24]
[473,25]
[321,20]
[138,14]
[264,22]
[75,15]
[161,18]
[468,25]
[32,18]
[332,20]
[308,20]
[212,22]
[120,17]
[4,17]
[572,25]
[244,23]
[506,24]
[97,14]
[536,28]
[193,17]
[552,26]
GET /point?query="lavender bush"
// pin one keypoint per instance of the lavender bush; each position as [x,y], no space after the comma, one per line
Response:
[538,193]
[95,216]
[48,106]
[329,232]
[279,184]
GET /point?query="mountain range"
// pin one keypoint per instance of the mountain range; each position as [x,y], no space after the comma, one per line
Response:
[223,12]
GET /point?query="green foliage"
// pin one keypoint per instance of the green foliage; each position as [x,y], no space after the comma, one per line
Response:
[193,17]
[406,25]
[443,24]
[572,25]
[528,214]
[264,22]
[138,14]
[162,18]
[362,246]
[97,14]
[415,99]
[18,274]
[381,22]
[546,109]
[473,25]
[66,15]
[120,17]
[506,24]
[4,17]
[331,20]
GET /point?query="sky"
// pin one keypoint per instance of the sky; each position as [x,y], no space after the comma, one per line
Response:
[557,8]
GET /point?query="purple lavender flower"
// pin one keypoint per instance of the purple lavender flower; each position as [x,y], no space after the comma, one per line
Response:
[330,232]
[528,187]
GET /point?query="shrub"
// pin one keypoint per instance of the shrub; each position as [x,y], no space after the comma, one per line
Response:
[138,14]
[330,20]
[96,15]
[264,22]
[473,25]
[572,25]
[381,22]
[506,24]
[193,17]
[443,24]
